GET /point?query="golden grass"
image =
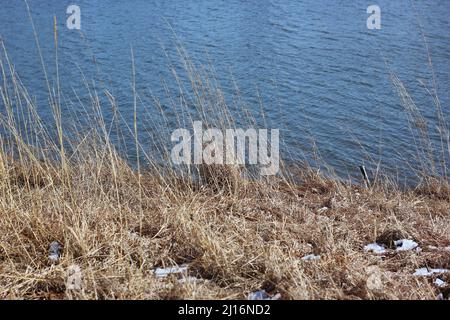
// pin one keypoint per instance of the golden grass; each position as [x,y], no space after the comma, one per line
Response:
[238,240]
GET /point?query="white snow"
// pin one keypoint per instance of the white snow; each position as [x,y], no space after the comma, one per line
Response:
[277,296]
[439,248]
[405,245]
[311,257]
[401,245]
[181,271]
[262,295]
[55,251]
[440,283]
[164,272]
[322,210]
[190,280]
[440,270]
[375,248]
[428,272]
[54,257]
[422,272]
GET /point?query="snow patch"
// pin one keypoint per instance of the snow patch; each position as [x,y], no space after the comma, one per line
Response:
[164,272]
[311,256]
[401,245]
[440,283]
[428,272]
[422,272]
[262,295]
[190,280]
[375,248]
[405,245]
[55,251]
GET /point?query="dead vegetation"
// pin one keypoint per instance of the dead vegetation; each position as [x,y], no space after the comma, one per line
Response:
[235,240]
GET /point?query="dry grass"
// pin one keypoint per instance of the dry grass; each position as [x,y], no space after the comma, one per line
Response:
[238,240]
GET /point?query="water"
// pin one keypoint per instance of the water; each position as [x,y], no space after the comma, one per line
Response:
[321,75]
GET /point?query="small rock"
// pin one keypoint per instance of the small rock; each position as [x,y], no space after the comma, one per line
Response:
[74,278]
[374,281]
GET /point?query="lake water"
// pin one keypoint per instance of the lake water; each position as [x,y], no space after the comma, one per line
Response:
[321,75]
